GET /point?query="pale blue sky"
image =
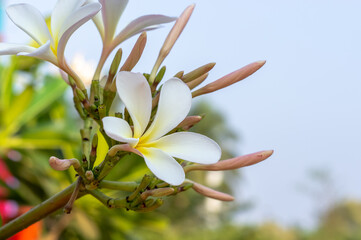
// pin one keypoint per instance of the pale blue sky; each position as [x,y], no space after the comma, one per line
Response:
[305,103]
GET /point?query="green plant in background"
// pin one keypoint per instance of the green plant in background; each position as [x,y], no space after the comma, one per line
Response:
[153,126]
[22,125]
[34,117]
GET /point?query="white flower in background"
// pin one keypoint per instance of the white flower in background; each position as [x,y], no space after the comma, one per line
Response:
[83,67]
[67,16]
[157,149]
[107,20]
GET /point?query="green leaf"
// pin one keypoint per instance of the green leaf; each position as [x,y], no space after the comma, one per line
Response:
[55,130]
[24,143]
[18,106]
[53,89]
[6,82]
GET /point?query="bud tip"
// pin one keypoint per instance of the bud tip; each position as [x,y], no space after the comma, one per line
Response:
[267,153]
[261,62]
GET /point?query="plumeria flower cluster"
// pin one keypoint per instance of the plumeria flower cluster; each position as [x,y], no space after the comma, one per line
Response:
[154,123]
[157,149]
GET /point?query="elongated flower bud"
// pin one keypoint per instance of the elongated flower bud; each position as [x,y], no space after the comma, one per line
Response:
[196,73]
[153,205]
[211,193]
[158,79]
[160,75]
[179,74]
[194,83]
[176,31]
[233,163]
[136,53]
[63,164]
[80,94]
[114,68]
[171,39]
[229,79]
[157,193]
[189,122]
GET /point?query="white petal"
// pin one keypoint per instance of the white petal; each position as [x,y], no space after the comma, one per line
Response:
[163,166]
[13,49]
[30,20]
[134,91]
[140,24]
[111,12]
[118,129]
[190,146]
[174,105]
[43,52]
[62,11]
[98,21]
[78,18]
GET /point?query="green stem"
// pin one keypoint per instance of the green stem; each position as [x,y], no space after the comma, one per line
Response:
[38,212]
[104,56]
[107,165]
[101,197]
[121,186]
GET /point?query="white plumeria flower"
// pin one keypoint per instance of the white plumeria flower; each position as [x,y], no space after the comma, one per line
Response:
[107,20]
[67,16]
[157,148]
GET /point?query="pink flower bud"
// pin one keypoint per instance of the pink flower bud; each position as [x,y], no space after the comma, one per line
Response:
[179,74]
[196,73]
[229,79]
[136,53]
[189,122]
[89,175]
[63,164]
[211,193]
[176,30]
[160,192]
[194,83]
[171,39]
[233,163]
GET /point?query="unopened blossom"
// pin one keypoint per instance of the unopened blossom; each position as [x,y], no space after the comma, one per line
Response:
[157,148]
[171,39]
[211,193]
[63,164]
[67,16]
[232,163]
[230,78]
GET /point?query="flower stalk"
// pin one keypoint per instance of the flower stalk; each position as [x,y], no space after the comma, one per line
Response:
[38,212]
